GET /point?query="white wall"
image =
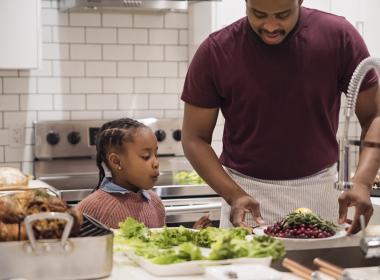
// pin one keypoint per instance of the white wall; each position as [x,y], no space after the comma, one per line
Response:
[95,66]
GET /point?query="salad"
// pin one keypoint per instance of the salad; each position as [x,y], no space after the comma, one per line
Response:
[180,244]
[302,223]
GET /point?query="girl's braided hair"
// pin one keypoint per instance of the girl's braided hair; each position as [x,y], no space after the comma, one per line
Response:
[112,134]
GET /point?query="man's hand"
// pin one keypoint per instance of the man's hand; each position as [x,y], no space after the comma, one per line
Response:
[359,197]
[242,205]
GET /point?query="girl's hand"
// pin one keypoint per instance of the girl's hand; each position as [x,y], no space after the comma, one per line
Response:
[203,222]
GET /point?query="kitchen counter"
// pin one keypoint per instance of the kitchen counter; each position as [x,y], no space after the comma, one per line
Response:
[126,269]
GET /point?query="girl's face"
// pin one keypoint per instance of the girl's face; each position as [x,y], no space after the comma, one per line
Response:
[138,166]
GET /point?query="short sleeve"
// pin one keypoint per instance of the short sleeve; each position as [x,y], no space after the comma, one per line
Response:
[199,88]
[353,52]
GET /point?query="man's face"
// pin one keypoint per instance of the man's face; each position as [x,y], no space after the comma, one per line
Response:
[272,20]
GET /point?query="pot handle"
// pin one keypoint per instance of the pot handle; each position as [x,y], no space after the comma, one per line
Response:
[49,216]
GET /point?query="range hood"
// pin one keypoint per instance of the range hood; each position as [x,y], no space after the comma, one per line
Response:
[134,5]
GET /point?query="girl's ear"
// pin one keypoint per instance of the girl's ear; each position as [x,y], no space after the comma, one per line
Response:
[114,161]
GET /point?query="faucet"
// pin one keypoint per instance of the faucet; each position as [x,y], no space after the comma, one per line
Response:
[361,70]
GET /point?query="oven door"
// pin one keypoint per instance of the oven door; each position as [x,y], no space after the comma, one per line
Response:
[186,211]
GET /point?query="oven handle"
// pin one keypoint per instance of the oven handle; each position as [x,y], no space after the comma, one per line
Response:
[193,208]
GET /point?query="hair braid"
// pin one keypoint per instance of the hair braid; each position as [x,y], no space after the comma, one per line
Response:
[112,134]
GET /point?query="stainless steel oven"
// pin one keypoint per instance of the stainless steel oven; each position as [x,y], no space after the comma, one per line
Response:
[65,159]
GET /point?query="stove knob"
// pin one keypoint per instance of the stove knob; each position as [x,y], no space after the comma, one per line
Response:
[73,138]
[160,135]
[177,135]
[52,138]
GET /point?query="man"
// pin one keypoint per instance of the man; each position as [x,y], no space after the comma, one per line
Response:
[277,76]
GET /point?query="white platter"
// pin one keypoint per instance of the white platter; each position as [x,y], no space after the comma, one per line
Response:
[339,234]
[190,267]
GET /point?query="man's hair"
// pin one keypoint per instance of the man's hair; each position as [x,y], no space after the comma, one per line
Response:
[112,134]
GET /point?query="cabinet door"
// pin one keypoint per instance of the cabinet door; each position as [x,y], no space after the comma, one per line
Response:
[19,33]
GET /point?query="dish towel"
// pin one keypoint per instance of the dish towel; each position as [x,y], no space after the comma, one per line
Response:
[278,198]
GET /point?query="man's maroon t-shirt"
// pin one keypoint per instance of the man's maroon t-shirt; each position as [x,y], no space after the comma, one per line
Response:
[280,102]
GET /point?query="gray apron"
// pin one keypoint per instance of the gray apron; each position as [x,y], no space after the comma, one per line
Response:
[280,197]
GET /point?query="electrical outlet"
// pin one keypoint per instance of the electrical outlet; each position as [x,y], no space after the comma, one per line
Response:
[16,136]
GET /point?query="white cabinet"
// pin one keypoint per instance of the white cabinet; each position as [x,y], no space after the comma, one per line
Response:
[19,34]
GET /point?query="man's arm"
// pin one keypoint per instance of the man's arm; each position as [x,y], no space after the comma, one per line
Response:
[198,126]
[368,113]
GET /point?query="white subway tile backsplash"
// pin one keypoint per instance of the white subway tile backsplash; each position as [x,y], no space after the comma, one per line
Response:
[1,154]
[19,118]
[148,20]
[44,70]
[176,53]
[163,101]
[183,37]
[68,34]
[133,36]
[183,66]
[163,36]
[69,102]
[53,17]
[36,102]
[100,69]
[19,85]
[132,69]
[140,114]
[117,85]
[101,102]
[163,69]
[117,52]
[9,102]
[86,115]
[53,85]
[149,85]
[86,85]
[174,85]
[8,73]
[85,19]
[85,52]
[113,115]
[68,68]
[29,136]
[55,51]
[176,20]
[53,115]
[133,101]
[117,20]
[11,164]
[4,136]
[47,34]
[101,35]
[24,153]
[149,52]
[173,114]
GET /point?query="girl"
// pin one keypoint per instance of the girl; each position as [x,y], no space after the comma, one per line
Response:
[128,149]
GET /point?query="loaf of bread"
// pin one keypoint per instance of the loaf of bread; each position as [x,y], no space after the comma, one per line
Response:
[12,177]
